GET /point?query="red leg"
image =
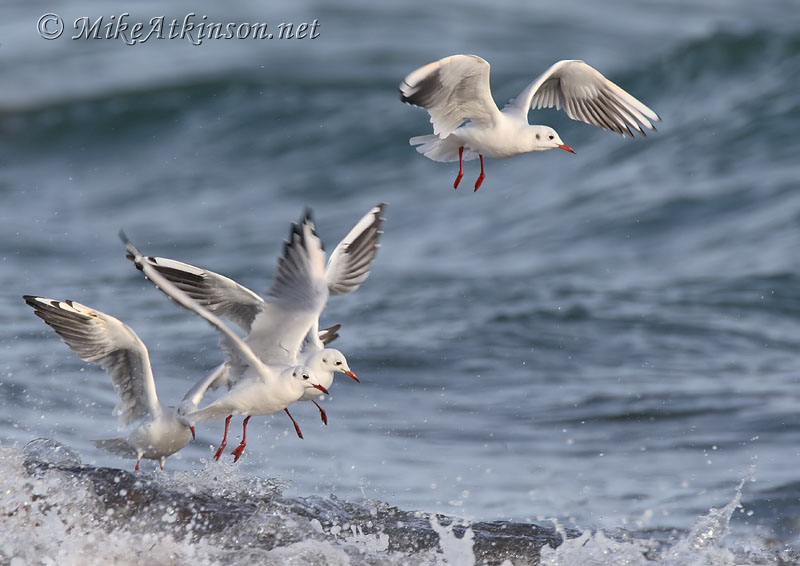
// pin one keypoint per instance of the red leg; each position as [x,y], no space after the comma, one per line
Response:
[481,177]
[237,452]
[137,464]
[224,438]
[460,166]
[294,422]
[322,413]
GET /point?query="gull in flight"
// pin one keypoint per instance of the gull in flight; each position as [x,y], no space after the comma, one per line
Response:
[157,431]
[467,124]
[284,329]
[262,389]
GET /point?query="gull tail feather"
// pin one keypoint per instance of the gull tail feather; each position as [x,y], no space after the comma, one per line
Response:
[214,412]
[116,446]
[437,149]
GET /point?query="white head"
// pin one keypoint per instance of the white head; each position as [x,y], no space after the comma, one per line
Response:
[183,412]
[302,375]
[331,359]
[545,137]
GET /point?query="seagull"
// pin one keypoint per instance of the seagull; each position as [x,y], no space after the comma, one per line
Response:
[262,389]
[456,90]
[157,431]
[284,329]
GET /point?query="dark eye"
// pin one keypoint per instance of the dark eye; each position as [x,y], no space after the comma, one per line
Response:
[305,376]
[551,136]
[338,363]
[538,137]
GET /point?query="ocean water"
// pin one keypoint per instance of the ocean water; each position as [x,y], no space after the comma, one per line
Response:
[607,342]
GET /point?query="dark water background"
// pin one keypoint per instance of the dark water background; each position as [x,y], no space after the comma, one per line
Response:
[610,338]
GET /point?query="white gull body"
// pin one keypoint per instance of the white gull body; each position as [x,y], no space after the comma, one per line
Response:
[262,389]
[156,431]
[467,124]
[284,329]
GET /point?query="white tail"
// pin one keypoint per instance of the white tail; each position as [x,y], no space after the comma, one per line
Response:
[437,149]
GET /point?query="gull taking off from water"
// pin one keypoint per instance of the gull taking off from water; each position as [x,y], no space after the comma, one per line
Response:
[285,328]
[456,90]
[158,431]
[261,390]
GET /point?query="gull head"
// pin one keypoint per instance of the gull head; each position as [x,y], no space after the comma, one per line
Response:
[303,375]
[331,359]
[545,137]
[183,414]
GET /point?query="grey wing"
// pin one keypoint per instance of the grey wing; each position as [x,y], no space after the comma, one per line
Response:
[102,339]
[300,281]
[328,335]
[231,340]
[213,380]
[298,293]
[585,95]
[350,262]
[219,294]
[453,90]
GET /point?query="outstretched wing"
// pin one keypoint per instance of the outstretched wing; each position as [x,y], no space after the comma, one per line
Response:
[219,294]
[585,95]
[298,293]
[232,342]
[453,90]
[350,262]
[100,338]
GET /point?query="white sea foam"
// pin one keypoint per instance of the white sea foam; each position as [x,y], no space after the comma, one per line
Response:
[707,544]
[57,518]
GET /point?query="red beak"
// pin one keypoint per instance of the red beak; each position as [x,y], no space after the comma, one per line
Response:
[325,391]
[351,374]
[192,429]
[565,147]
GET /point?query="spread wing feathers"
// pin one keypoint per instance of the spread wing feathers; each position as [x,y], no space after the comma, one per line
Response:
[100,338]
[300,278]
[585,95]
[117,446]
[299,293]
[173,292]
[453,90]
[349,264]
[219,294]
[328,335]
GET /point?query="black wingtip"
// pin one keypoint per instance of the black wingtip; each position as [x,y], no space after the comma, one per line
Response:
[381,211]
[131,252]
[30,300]
[294,230]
